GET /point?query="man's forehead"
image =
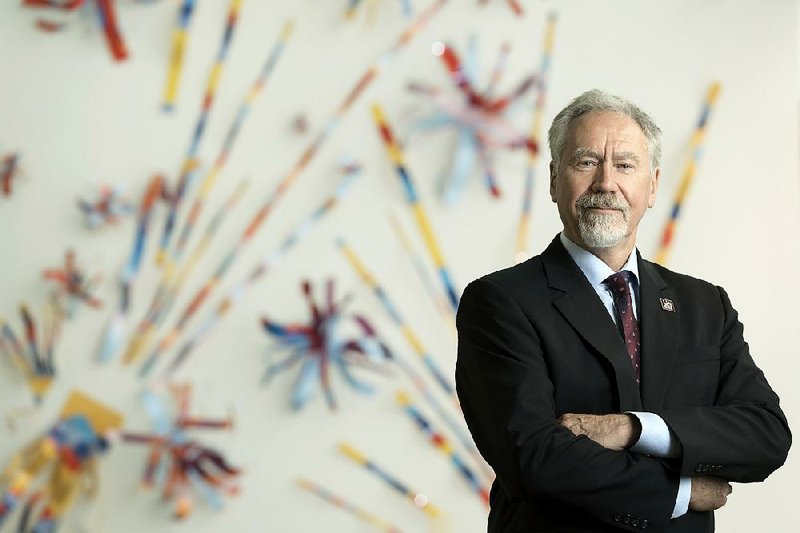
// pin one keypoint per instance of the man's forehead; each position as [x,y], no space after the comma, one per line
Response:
[596,129]
[605,122]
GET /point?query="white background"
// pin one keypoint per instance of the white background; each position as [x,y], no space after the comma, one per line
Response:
[80,121]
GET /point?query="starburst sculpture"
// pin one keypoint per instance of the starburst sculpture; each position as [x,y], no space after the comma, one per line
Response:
[181,464]
[479,118]
[73,286]
[107,209]
[323,343]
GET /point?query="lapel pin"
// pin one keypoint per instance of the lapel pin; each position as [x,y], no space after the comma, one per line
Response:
[667,305]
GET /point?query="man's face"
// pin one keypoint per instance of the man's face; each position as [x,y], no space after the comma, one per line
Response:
[603,183]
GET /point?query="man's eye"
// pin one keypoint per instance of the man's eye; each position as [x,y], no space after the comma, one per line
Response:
[586,163]
[625,166]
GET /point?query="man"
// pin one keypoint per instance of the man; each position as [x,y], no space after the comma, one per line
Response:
[609,393]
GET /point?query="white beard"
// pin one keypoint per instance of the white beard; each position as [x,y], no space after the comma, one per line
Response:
[602,230]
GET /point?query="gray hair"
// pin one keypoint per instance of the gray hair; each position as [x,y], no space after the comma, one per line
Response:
[597,100]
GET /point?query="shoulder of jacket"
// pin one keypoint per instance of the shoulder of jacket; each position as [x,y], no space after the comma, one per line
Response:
[512,276]
[683,282]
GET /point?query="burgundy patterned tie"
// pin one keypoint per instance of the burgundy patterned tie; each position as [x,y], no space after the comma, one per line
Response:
[620,290]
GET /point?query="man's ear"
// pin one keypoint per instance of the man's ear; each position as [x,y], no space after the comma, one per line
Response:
[654,181]
[553,174]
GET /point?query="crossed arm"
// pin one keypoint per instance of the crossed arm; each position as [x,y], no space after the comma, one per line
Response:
[621,431]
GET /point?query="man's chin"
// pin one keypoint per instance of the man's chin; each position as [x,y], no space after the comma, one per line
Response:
[594,239]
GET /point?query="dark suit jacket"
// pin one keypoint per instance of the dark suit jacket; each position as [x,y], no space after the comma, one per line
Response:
[535,342]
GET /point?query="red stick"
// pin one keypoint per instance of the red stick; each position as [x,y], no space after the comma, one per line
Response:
[111,29]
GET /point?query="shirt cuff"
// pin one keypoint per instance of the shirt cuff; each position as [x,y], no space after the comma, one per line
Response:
[682,500]
[656,438]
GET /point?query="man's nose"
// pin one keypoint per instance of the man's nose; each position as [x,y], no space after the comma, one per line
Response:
[604,178]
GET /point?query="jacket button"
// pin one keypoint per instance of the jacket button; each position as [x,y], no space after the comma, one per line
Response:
[698,468]
[626,519]
[617,517]
[635,522]
[644,524]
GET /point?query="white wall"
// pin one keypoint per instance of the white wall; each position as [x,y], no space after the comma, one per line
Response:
[80,121]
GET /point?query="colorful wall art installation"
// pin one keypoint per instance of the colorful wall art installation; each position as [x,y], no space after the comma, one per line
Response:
[235,235]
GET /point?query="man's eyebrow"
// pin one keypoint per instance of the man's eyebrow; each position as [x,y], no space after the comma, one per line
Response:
[585,152]
[622,156]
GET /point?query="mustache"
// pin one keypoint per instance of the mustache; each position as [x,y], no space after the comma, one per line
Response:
[603,201]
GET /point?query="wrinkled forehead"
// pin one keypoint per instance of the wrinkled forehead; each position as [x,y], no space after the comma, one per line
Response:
[605,132]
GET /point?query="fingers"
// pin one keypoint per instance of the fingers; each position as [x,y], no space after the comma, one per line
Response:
[566,417]
[567,420]
[573,423]
[708,494]
[720,486]
[728,490]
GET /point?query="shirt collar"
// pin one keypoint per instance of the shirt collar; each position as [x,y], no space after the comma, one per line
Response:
[595,270]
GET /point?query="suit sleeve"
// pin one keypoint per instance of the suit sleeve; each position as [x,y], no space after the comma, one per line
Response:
[507,399]
[744,435]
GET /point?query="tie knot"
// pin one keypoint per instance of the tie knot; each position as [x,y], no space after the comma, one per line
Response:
[618,282]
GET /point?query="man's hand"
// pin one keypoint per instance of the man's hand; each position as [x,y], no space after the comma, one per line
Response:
[709,493]
[615,432]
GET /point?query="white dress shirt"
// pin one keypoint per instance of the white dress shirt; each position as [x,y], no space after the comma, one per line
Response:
[656,438]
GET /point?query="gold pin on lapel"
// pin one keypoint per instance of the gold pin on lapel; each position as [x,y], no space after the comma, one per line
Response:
[667,305]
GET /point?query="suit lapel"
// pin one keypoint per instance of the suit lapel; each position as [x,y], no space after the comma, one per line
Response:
[659,333]
[581,307]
